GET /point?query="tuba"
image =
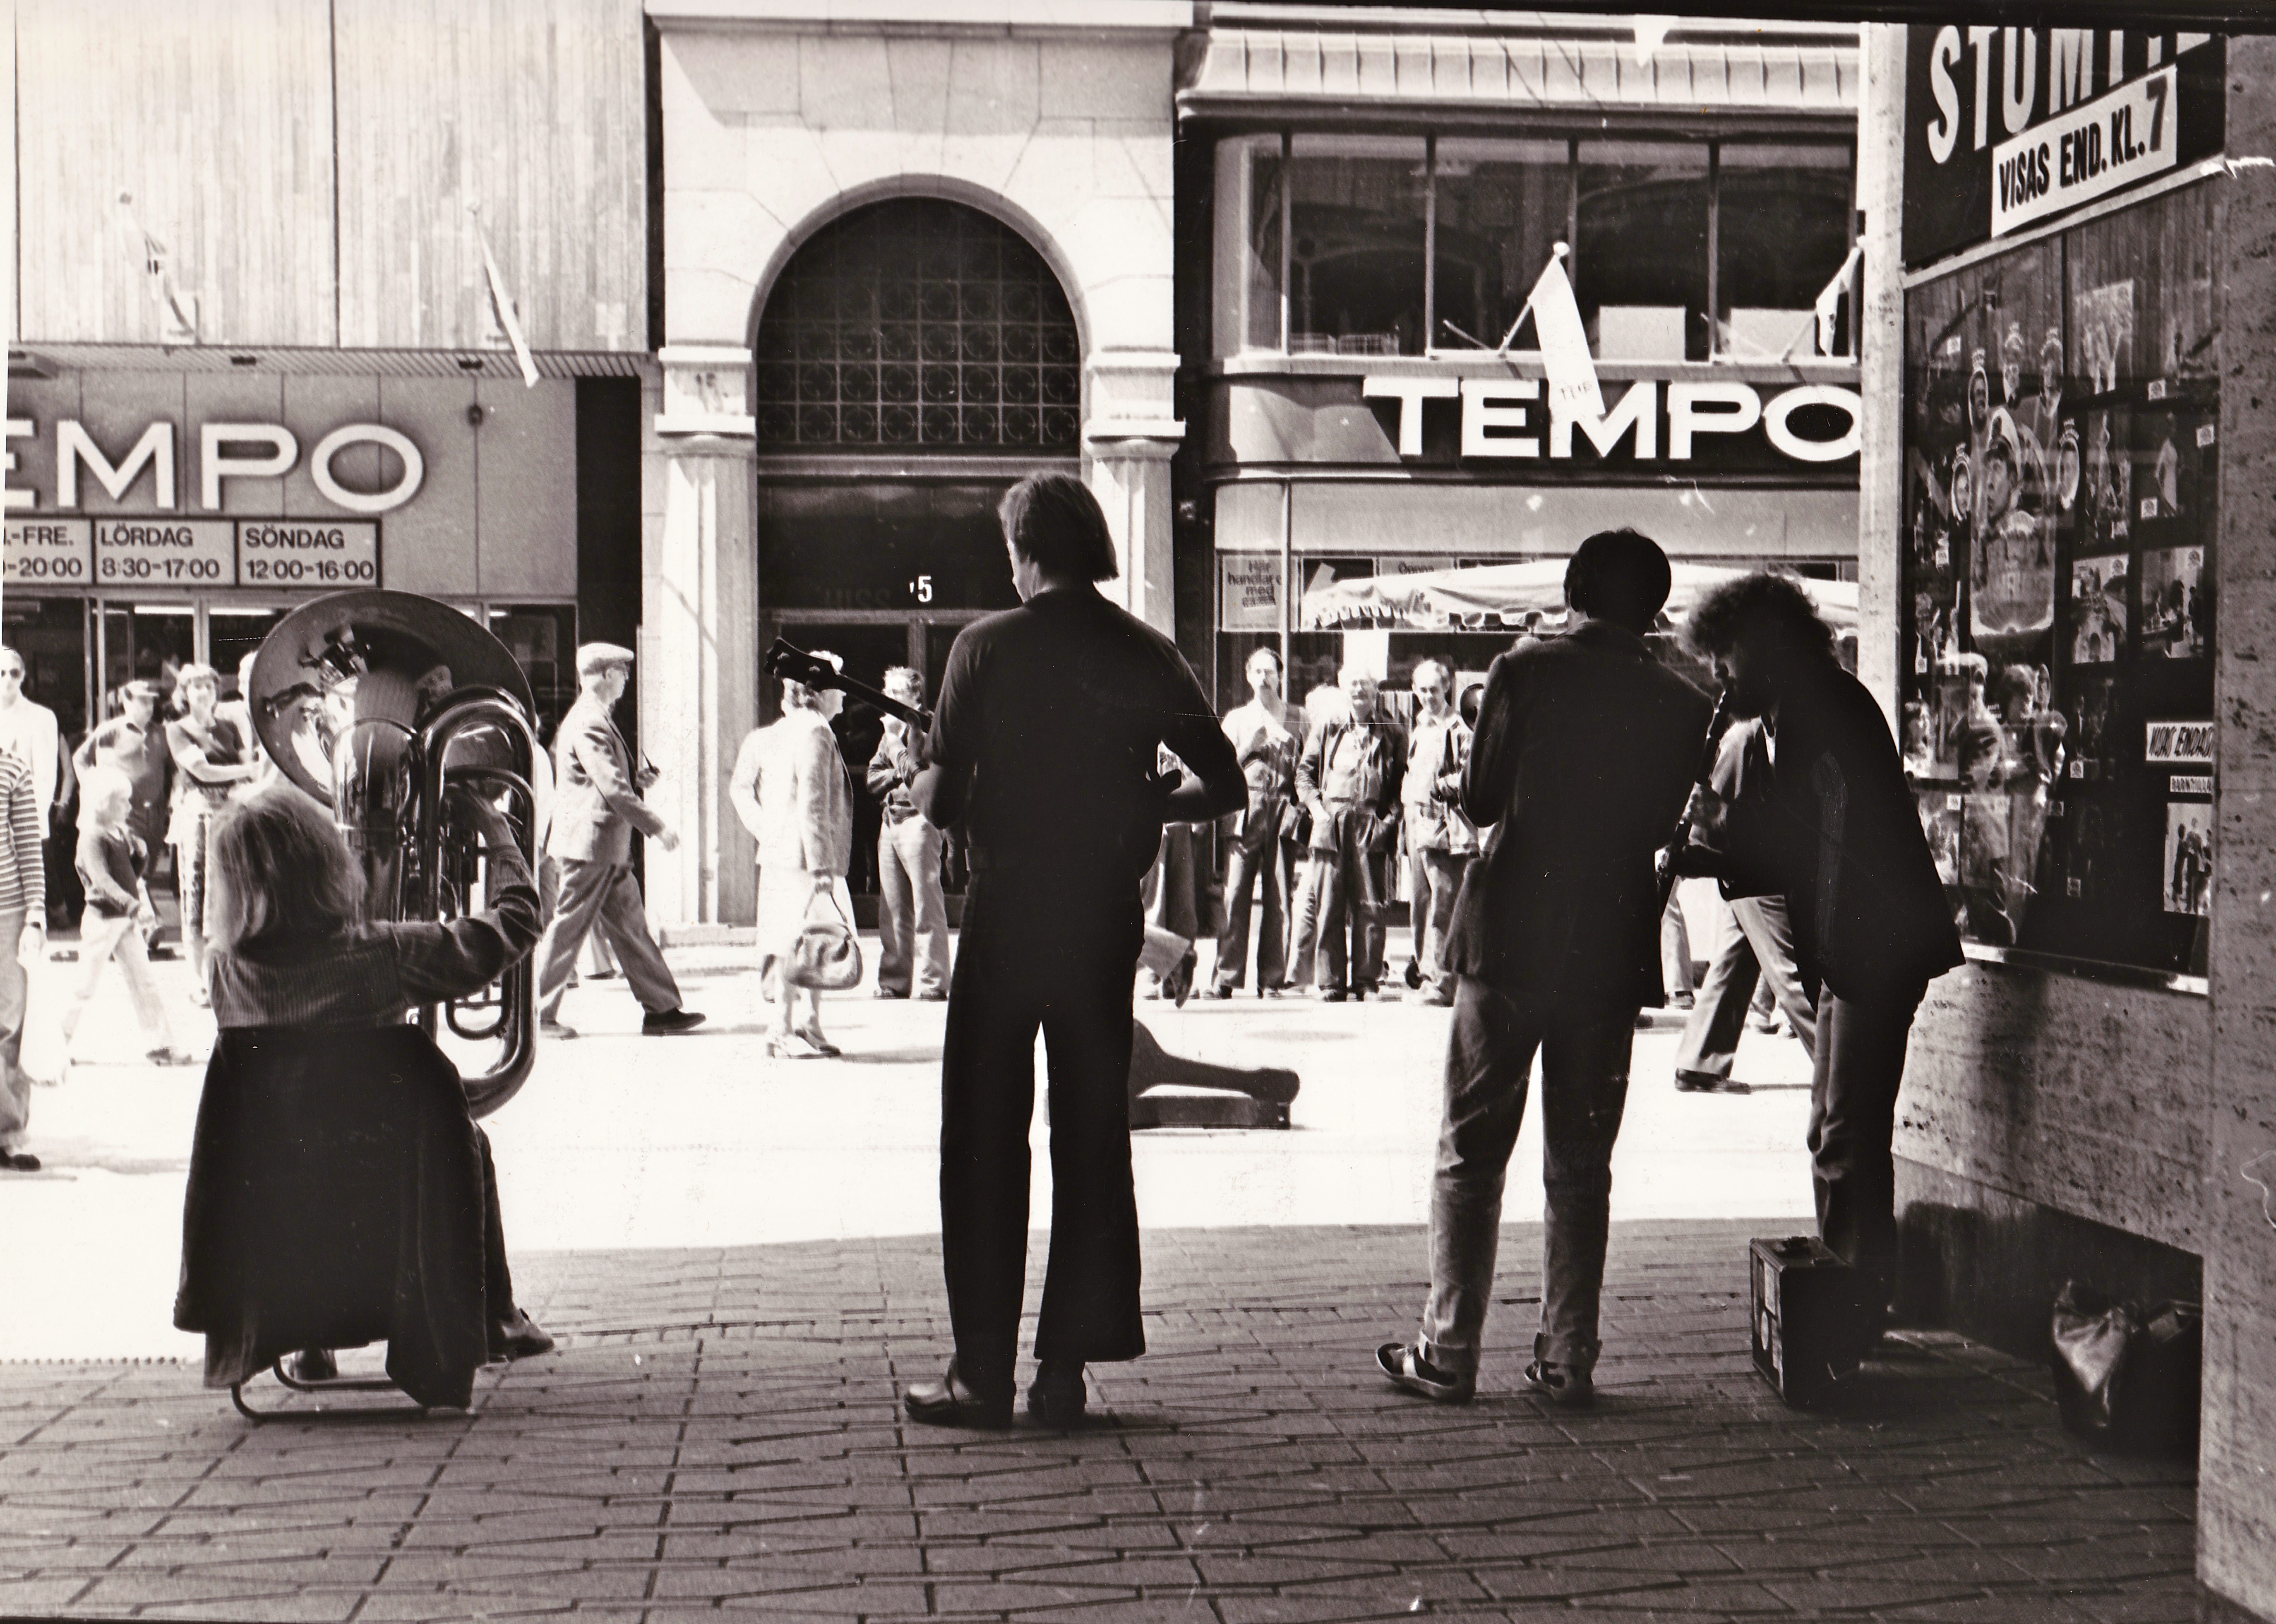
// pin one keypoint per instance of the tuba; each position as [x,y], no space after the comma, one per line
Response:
[377,704]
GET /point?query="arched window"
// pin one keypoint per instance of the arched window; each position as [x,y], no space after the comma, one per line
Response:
[922,325]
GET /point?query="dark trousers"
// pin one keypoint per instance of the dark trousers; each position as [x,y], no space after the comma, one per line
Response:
[1756,946]
[1852,1116]
[1354,880]
[1040,948]
[1256,858]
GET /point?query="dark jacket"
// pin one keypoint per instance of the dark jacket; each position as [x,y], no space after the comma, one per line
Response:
[1838,837]
[1044,740]
[1583,756]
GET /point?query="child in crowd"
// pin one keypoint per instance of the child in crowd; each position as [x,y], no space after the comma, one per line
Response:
[110,861]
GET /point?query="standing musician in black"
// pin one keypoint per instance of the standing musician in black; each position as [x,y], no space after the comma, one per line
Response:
[1044,747]
[1838,837]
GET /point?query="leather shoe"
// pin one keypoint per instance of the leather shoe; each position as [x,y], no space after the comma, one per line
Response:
[1056,1397]
[20,1161]
[1403,1365]
[932,997]
[1707,1083]
[948,1403]
[314,1364]
[517,1337]
[663,1023]
[1333,995]
[554,1030]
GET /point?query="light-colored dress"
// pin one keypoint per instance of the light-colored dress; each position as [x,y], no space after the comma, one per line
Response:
[791,789]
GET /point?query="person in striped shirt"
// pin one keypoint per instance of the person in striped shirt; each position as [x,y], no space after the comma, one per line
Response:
[23,935]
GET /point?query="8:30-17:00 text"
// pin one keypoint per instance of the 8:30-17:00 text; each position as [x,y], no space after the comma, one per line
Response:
[131,568]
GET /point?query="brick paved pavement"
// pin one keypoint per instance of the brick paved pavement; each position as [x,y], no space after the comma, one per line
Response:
[718,1432]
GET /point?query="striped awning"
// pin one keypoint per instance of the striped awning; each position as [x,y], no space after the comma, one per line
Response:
[33,359]
[1246,67]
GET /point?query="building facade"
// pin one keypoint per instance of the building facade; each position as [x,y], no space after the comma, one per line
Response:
[2065,460]
[256,354]
[1374,195]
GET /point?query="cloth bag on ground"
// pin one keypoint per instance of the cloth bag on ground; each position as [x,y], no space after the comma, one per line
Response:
[2127,1375]
[826,955]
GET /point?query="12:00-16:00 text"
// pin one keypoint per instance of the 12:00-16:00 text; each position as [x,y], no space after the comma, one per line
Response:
[309,569]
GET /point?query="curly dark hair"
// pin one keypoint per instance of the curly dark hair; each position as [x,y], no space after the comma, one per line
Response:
[1766,604]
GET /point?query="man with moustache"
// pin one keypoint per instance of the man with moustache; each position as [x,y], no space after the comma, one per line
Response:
[1838,838]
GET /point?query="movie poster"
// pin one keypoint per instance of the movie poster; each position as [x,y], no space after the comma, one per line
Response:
[2188,870]
[2175,604]
[2095,628]
[2104,320]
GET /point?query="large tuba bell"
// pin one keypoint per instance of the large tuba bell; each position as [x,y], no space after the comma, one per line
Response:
[375,702]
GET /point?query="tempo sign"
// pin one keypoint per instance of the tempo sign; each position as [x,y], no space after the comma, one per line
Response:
[225,451]
[1506,418]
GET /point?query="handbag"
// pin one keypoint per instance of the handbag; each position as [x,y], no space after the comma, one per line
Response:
[2125,1374]
[827,955]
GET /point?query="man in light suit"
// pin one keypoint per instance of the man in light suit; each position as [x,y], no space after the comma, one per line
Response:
[596,805]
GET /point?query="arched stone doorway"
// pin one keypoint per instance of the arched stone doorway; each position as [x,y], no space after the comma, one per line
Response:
[914,357]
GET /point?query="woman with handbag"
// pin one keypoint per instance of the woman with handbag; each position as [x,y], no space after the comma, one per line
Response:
[791,789]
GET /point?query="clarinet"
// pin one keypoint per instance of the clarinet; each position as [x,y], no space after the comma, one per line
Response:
[1717,726]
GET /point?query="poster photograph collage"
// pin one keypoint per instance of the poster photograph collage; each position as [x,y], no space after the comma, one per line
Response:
[2061,449]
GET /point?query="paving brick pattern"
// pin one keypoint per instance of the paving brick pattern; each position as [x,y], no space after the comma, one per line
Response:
[718,1432]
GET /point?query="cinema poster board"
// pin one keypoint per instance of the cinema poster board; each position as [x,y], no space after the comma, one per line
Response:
[2058,626]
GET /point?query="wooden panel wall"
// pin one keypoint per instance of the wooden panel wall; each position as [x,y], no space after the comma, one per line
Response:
[216,116]
[534,111]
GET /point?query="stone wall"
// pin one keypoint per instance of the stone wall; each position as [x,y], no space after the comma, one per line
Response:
[2236,1496]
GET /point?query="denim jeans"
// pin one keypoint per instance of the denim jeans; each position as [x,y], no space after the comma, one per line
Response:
[1584,1084]
[1754,950]
[1434,879]
[912,914]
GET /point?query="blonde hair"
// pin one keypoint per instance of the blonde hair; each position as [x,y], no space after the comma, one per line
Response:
[284,872]
[99,783]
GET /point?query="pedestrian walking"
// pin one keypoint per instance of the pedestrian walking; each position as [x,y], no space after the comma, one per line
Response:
[791,790]
[1838,838]
[1583,760]
[1754,951]
[911,911]
[1043,747]
[23,936]
[132,742]
[596,805]
[211,759]
[1349,777]
[1439,840]
[1323,704]
[1266,733]
[29,732]
[110,860]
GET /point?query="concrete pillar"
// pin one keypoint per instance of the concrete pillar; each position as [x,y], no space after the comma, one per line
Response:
[2236,1488]
[1129,435]
[1881,367]
[699,629]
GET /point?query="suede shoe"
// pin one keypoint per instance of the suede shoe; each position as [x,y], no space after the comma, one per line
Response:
[1057,1397]
[1403,1365]
[664,1023]
[948,1403]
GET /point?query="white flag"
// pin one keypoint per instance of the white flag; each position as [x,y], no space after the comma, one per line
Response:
[1829,302]
[503,303]
[1564,344]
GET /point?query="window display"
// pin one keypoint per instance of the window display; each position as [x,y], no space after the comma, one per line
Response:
[2060,514]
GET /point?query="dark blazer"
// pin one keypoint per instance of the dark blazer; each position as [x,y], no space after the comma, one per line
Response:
[1583,757]
[1838,837]
[596,802]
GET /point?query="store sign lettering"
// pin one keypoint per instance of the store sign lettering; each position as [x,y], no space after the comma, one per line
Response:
[2178,743]
[225,451]
[2009,127]
[1506,417]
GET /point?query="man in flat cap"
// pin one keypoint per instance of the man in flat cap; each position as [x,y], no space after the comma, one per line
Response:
[1582,762]
[596,805]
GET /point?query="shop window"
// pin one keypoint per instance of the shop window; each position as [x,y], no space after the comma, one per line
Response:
[1250,200]
[542,639]
[1782,231]
[148,642]
[919,325]
[1641,257]
[233,635]
[49,635]
[1358,218]
[1502,208]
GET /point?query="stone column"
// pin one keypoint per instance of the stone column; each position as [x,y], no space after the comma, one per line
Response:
[699,620]
[1880,326]
[2236,1486]
[1129,436]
